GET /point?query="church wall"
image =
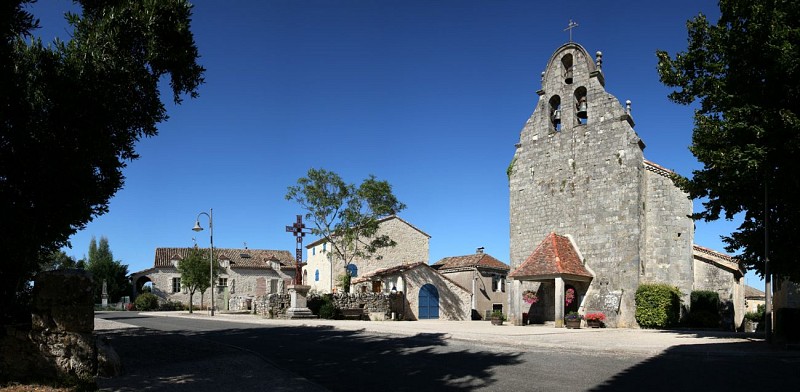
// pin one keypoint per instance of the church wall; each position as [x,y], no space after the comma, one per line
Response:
[583,180]
[669,233]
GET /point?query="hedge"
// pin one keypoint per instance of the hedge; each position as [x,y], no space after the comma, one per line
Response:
[146,302]
[704,309]
[658,305]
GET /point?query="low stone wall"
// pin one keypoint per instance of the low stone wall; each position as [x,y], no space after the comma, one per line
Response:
[272,305]
[377,305]
[59,344]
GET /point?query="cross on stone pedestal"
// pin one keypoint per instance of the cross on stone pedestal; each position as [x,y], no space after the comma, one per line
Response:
[298,230]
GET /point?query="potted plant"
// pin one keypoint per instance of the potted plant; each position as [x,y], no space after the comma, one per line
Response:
[498,317]
[595,320]
[573,320]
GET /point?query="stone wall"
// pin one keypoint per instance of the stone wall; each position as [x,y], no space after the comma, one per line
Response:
[454,300]
[59,344]
[485,295]
[669,232]
[378,305]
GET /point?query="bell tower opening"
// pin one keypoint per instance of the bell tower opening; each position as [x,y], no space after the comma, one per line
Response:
[581,106]
[566,63]
[555,112]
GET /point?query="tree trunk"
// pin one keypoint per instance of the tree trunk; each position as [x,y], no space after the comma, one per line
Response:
[191,293]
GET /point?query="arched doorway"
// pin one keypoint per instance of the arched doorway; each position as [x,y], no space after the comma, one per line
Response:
[428,302]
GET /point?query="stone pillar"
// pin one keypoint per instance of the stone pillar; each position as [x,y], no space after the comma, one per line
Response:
[104,296]
[559,305]
[299,308]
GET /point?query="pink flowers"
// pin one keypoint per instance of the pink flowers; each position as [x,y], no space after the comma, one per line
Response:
[530,297]
[596,316]
[569,296]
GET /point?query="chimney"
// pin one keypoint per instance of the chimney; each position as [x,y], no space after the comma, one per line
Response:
[479,250]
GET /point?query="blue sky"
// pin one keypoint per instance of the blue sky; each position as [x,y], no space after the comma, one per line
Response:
[430,96]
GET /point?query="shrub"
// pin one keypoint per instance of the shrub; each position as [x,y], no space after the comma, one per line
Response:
[705,300]
[171,306]
[657,305]
[704,310]
[315,302]
[146,302]
[757,316]
[327,310]
[498,314]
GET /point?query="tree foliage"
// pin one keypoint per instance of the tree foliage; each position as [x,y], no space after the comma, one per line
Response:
[70,116]
[345,215]
[195,272]
[58,260]
[103,267]
[743,72]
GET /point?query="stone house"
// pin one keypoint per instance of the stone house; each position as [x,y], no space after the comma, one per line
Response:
[753,297]
[483,275]
[579,177]
[426,293]
[322,267]
[244,275]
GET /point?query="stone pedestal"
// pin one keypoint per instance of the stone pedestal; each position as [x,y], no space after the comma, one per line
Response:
[299,308]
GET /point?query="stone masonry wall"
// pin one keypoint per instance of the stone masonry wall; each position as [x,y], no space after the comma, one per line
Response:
[378,305]
[583,180]
[59,345]
[669,233]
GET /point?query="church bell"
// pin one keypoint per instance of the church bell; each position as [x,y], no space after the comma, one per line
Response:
[582,108]
[557,116]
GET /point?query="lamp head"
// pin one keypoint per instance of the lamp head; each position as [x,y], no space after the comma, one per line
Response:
[197,226]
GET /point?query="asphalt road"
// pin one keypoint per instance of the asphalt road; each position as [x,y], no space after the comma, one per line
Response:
[196,354]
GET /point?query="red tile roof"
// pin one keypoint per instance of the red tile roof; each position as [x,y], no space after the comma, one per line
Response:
[554,256]
[474,260]
[238,258]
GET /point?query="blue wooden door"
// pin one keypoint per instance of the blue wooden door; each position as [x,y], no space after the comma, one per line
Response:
[428,302]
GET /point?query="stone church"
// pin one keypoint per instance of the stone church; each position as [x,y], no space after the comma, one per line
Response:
[590,218]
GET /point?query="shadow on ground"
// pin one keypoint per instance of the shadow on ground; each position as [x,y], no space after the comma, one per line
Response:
[339,360]
[711,367]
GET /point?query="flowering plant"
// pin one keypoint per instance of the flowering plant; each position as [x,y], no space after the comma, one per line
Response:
[573,316]
[530,297]
[569,296]
[597,316]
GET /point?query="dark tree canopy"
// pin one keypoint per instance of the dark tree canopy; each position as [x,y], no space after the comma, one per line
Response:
[70,115]
[743,71]
[346,216]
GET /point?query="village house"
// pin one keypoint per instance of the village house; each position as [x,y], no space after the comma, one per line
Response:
[426,293]
[581,192]
[244,275]
[323,268]
[483,275]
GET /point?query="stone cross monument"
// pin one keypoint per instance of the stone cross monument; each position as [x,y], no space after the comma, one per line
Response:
[298,291]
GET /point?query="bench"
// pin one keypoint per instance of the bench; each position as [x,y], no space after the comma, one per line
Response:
[353,313]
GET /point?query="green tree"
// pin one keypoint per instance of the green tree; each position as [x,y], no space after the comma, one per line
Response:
[195,271]
[103,267]
[58,260]
[346,216]
[743,72]
[71,113]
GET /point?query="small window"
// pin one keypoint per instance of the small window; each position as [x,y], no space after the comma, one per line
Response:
[314,251]
[324,246]
[376,286]
[223,281]
[316,276]
[176,285]
[352,269]
[273,285]
[498,283]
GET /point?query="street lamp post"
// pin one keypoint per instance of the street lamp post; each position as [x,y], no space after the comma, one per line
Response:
[197,227]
